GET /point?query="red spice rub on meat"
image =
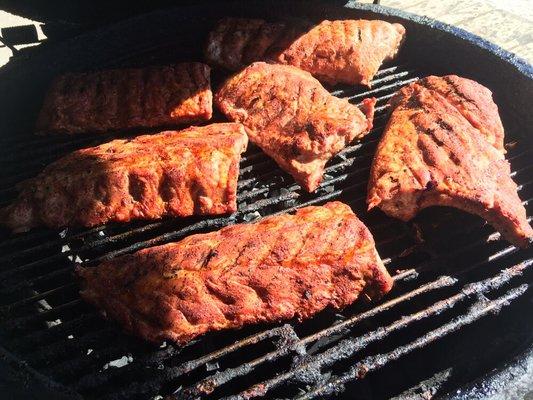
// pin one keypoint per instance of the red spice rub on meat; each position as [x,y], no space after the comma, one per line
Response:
[443,145]
[182,173]
[279,268]
[293,118]
[127,98]
[346,51]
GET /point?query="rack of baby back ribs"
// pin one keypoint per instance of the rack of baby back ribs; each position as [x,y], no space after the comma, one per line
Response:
[443,145]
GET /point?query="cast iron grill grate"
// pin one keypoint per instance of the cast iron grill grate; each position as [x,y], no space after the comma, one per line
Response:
[452,273]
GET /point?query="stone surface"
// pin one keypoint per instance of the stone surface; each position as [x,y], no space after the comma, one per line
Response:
[507,23]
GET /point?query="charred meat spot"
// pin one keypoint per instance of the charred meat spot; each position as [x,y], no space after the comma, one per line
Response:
[455,158]
[431,132]
[457,90]
[253,102]
[165,188]
[261,292]
[212,253]
[439,142]
[415,117]
[133,276]
[444,125]
[102,191]
[295,149]
[136,187]
[431,185]
[413,102]
[312,132]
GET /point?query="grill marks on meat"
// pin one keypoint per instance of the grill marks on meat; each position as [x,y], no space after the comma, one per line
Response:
[278,268]
[236,42]
[347,51]
[293,118]
[128,98]
[183,173]
[472,100]
[443,145]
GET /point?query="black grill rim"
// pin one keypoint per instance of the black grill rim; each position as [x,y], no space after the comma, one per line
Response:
[500,56]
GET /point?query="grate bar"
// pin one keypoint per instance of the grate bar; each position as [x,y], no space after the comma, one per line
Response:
[44,315]
[358,371]
[424,267]
[91,381]
[67,347]
[48,153]
[209,384]
[349,346]
[428,266]
[150,359]
[248,182]
[391,77]
[393,86]
[27,318]
[37,337]
[129,233]
[38,296]
[341,92]
[146,228]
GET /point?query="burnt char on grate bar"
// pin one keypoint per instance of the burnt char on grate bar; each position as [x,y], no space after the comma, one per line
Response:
[456,281]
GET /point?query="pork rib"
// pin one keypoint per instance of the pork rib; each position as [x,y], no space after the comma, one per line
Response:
[293,118]
[443,145]
[281,267]
[346,51]
[183,173]
[127,98]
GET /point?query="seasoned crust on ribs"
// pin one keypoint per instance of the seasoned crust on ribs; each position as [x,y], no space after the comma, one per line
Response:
[293,118]
[279,268]
[127,98]
[472,100]
[444,147]
[347,51]
[182,173]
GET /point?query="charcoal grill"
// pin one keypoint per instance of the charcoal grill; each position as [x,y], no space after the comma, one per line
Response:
[458,323]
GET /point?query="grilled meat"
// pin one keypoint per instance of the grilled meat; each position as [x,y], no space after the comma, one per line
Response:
[472,100]
[237,42]
[281,267]
[443,145]
[293,118]
[347,51]
[128,98]
[193,171]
